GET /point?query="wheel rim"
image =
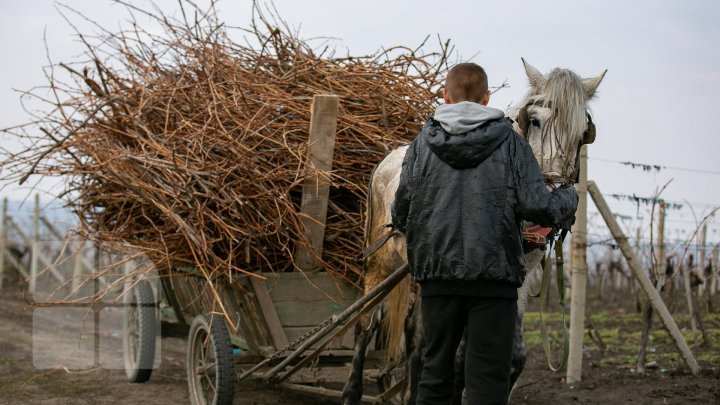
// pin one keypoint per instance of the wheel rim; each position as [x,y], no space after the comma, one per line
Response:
[204,367]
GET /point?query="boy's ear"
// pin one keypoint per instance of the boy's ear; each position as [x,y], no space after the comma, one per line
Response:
[486,99]
[446,96]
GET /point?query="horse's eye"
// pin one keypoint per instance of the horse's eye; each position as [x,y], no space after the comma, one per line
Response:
[535,122]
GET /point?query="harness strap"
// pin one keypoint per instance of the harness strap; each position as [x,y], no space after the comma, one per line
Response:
[367,252]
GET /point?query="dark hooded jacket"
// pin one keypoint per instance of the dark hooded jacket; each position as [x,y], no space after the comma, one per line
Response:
[460,203]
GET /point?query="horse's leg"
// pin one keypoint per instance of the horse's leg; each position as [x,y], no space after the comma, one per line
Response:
[519,354]
[414,344]
[459,389]
[353,390]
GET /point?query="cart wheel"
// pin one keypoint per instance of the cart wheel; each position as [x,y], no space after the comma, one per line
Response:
[140,327]
[210,364]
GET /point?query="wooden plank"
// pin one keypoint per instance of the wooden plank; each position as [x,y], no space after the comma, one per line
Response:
[322,339]
[316,187]
[308,313]
[316,286]
[351,314]
[269,314]
[636,267]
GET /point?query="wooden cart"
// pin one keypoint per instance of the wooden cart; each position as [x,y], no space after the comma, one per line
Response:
[293,330]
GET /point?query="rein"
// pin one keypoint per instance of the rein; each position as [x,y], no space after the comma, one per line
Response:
[542,294]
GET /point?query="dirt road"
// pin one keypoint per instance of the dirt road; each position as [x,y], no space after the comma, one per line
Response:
[607,377]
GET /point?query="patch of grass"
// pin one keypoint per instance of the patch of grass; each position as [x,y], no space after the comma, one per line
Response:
[532,318]
[8,390]
[6,361]
[56,384]
[614,318]
[622,360]
[620,330]
[712,357]
[532,337]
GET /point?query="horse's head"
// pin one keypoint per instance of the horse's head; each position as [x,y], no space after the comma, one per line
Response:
[554,119]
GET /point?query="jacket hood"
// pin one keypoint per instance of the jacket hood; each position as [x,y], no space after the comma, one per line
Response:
[463,135]
[464,116]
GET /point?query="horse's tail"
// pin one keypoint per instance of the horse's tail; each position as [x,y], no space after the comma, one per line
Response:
[398,302]
[394,321]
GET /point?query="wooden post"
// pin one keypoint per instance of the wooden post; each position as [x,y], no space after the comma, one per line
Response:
[633,280]
[316,187]
[78,266]
[659,269]
[646,284]
[3,240]
[688,294]
[578,282]
[714,280]
[33,246]
[701,263]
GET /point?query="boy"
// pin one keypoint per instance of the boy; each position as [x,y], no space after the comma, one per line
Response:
[467,181]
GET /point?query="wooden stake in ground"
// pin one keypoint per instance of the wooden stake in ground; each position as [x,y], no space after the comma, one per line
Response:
[645,282]
[578,283]
[316,187]
[658,275]
[34,251]
[714,279]
[3,240]
[633,280]
[701,263]
[696,320]
[688,294]
[659,270]
[645,336]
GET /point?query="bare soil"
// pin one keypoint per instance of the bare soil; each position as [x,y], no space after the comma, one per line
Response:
[608,374]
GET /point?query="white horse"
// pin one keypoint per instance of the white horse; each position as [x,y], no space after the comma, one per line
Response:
[554,119]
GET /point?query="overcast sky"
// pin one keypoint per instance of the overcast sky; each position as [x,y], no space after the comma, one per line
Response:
[658,103]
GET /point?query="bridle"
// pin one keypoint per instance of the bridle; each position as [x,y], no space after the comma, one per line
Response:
[588,137]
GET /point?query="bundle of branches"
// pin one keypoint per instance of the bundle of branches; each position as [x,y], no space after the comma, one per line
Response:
[192,147]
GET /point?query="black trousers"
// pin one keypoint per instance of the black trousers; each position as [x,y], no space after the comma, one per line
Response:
[490,323]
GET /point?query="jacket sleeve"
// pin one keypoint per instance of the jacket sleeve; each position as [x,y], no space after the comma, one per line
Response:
[401,204]
[535,202]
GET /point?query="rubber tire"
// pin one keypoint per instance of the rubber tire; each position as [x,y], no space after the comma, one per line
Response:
[138,370]
[222,349]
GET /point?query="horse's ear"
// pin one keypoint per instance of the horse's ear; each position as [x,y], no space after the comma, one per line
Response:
[537,80]
[592,84]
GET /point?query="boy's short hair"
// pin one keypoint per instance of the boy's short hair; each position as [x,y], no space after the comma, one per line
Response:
[467,82]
